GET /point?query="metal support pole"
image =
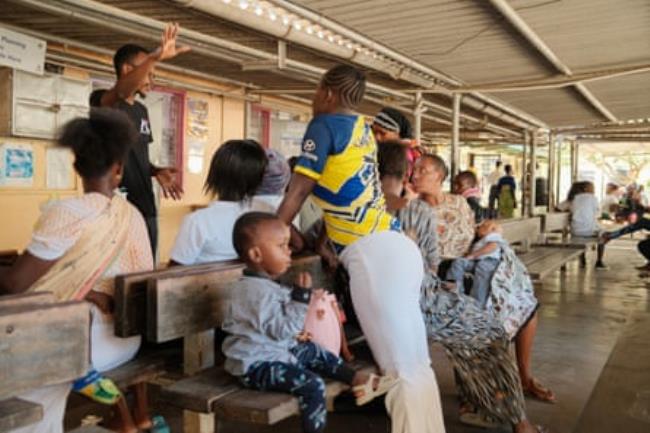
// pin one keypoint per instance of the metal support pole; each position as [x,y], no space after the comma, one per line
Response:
[558,168]
[574,161]
[551,172]
[417,113]
[532,171]
[455,135]
[524,173]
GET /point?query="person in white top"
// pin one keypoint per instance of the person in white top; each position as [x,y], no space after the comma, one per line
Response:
[236,173]
[610,203]
[585,210]
[493,181]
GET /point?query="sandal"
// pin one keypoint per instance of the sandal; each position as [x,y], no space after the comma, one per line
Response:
[384,383]
[159,425]
[98,388]
[476,419]
[537,391]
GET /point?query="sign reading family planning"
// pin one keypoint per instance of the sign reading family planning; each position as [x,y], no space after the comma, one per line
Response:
[22,52]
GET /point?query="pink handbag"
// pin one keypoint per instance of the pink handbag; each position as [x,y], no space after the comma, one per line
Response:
[322,322]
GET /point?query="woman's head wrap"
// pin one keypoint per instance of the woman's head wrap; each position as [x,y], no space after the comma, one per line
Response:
[276,176]
[393,120]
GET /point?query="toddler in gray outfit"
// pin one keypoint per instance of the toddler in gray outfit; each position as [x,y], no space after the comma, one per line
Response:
[481,262]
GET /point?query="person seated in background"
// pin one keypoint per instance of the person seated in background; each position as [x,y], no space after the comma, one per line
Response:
[236,173]
[585,210]
[466,184]
[275,180]
[609,206]
[507,197]
[267,348]
[394,181]
[482,261]
[77,248]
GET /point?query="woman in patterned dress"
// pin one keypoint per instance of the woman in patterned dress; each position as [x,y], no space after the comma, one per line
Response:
[513,301]
[476,343]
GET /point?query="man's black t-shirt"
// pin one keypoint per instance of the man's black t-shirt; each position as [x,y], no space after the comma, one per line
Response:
[136,179]
[138,169]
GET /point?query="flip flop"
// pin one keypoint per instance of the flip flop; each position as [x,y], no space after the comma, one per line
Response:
[98,388]
[537,391]
[159,425]
[384,383]
[476,419]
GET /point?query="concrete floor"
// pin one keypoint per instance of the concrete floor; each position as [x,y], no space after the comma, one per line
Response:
[583,312]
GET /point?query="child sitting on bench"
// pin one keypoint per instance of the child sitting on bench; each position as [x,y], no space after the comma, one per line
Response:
[482,261]
[267,348]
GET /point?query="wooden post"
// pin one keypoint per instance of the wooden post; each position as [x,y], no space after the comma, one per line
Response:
[198,354]
[455,135]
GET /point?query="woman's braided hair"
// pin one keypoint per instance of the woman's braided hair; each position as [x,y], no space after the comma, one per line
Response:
[348,82]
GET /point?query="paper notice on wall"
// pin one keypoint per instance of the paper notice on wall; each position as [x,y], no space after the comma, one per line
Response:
[22,52]
[197,134]
[197,119]
[16,165]
[58,169]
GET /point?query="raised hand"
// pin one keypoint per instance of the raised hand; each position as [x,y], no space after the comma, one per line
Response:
[168,48]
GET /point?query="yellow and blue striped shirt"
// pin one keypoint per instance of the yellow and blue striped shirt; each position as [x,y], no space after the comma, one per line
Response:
[339,152]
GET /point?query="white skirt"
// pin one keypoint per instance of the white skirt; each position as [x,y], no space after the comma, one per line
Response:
[386,272]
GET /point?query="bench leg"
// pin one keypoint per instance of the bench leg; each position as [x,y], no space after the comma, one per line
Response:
[583,260]
[198,354]
[194,422]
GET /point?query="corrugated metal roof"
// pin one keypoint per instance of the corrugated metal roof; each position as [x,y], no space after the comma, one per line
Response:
[467,39]
[470,40]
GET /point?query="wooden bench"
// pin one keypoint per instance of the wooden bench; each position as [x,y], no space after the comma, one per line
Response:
[560,223]
[42,343]
[620,401]
[539,258]
[189,303]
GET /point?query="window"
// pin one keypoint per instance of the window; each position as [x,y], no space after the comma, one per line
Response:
[275,129]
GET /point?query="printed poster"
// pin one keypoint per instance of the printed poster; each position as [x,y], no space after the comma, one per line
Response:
[197,131]
[58,169]
[16,165]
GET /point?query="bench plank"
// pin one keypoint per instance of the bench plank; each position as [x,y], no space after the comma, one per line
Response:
[559,257]
[143,368]
[256,407]
[521,230]
[180,306]
[43,345]
[191,302]
[16,413]
[198,393]
[24,299]
[555,222]
[131,295]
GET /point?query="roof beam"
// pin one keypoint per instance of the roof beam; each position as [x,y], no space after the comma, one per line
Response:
[533,38]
